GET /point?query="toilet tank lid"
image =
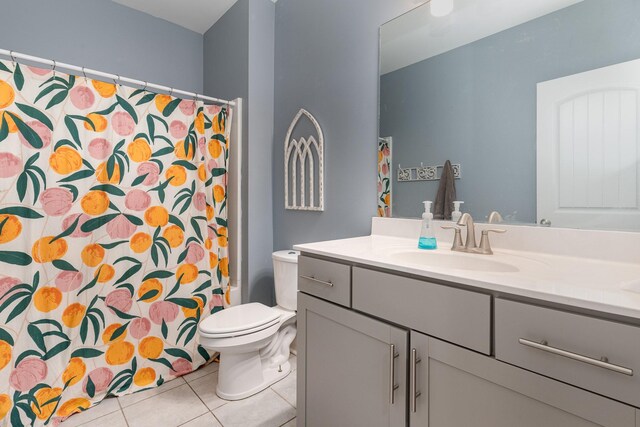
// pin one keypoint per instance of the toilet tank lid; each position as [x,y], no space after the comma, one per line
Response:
[286,256]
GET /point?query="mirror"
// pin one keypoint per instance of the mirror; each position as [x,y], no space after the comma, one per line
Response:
[535,103]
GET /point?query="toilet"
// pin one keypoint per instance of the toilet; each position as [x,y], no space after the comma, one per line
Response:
[253,339]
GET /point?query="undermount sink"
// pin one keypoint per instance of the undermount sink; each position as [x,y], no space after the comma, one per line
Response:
[453,260]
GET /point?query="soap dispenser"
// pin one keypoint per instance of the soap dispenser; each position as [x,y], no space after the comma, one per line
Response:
[427,235]
[456,214]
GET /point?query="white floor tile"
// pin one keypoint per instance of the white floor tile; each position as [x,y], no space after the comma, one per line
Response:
[286,388]
[291,423]
[206,420]
[204,370]
[265,409]
[134,398]
[105,407]
[205,388]
[168,409]
[114,419]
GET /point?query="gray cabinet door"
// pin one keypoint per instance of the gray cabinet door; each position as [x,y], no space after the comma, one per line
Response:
[462,388]
[347,375]
[418,379]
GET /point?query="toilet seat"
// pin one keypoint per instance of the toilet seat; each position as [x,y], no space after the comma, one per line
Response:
[239,320]
[240,332]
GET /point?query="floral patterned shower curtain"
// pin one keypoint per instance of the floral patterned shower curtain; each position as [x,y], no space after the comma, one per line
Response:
[113,239]
[384,177]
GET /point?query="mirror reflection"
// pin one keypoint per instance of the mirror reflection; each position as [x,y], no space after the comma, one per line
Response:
[533,103]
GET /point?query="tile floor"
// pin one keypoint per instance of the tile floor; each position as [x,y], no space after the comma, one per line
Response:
[191,401]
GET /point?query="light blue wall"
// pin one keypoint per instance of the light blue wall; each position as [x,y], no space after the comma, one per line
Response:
[239,55]
[260,152]
[226,75]
[326,61]
[106,36]
[476,105]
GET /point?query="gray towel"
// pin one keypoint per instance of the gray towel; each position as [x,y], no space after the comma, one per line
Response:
[443,205]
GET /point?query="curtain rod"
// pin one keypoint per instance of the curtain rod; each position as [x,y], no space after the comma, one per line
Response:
[115,77]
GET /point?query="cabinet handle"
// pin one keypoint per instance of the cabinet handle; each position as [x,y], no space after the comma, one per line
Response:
[414,379]
[322,282]
[392,373]
[602,363]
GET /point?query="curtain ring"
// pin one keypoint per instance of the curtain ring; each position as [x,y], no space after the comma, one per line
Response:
[84,73]
[196,97]
[144,89]
[115,82]
[53,67]
[13,58]
[170,91]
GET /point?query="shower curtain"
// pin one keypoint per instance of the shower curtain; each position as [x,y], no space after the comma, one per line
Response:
[384,177]
[113,239]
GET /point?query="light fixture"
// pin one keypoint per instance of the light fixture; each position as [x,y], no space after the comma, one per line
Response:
[441,7]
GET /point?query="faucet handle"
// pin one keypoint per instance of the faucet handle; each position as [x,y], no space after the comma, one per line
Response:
[485,246]
[457,237]
[495,218]
[493,230]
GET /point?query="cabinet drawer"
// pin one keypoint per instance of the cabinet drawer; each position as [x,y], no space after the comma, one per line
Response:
[455,315]
[595,354]
[325,279]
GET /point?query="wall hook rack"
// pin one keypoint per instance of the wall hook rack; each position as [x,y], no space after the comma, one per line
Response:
[426,173]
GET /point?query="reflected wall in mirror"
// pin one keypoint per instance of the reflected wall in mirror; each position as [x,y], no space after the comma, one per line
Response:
[537,100]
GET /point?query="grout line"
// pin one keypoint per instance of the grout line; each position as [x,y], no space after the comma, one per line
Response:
[199,398]
[282,397]
[217,419]
[126,421]
[200,377]
[95,418]
[153,395]
[192,419]
[289,420]
[122,412]
[207,406]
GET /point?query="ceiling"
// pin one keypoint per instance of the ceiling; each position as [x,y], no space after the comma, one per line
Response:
[196,15]
[417,35]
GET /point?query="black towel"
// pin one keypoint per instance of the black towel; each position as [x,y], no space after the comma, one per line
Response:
[446,193]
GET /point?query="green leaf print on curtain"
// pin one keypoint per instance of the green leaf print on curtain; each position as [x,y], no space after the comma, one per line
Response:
[113,239]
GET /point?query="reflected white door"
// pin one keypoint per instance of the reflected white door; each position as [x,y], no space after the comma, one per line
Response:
[588,149]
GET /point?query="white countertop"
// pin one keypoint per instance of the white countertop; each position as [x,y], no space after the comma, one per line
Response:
[606,286]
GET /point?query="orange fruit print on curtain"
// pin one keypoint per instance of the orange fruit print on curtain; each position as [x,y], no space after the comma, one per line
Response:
[113,239]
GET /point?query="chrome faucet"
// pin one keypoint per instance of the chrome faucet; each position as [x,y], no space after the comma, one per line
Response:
[470,245]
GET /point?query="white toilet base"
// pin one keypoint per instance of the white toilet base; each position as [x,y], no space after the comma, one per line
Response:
[244,373]
[232,386]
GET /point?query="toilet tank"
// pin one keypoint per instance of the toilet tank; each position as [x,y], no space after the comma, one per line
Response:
[285,275]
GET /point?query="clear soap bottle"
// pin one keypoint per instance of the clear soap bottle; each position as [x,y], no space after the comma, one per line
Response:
[456,214]
[427,235]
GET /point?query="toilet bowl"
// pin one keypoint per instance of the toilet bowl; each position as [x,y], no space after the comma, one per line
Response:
[253,339]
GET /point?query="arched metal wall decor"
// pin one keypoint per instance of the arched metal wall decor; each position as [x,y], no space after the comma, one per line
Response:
[302,158]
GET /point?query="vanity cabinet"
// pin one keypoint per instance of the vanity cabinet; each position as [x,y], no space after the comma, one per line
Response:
[384,349]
